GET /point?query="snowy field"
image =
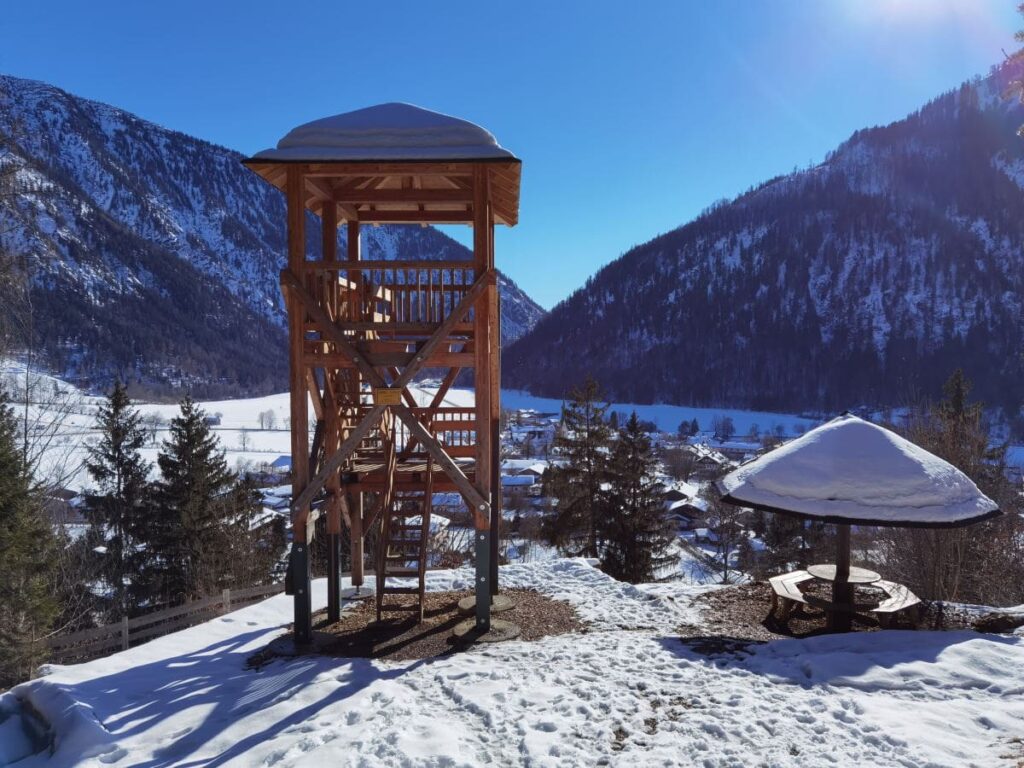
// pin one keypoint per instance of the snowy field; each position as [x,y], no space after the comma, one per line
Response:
[240,421]
[668,417]
[626,693]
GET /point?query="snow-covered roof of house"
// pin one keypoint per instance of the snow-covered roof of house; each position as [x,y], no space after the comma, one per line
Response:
[694,503]
[705,451]
[516,465]
[524,480]
[681,487]
[387,132]
[852,471]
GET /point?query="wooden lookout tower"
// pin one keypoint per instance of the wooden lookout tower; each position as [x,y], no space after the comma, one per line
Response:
[360,331]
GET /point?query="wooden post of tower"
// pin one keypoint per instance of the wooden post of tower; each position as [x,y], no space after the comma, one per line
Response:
[494,367]
[356,526]
[329,251]
[301,530]
[483,323]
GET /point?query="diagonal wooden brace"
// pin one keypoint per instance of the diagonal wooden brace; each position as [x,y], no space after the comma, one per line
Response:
[441,333]
[332,464]
[477,503]
[327,326]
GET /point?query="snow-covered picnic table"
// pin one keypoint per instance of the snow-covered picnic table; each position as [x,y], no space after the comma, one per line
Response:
[827,572]
[786,593]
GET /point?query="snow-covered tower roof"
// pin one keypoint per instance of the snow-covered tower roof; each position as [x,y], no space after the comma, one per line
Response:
[415,154]
[852,471]
[393,131]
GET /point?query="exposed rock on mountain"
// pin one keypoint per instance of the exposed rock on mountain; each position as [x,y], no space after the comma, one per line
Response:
[155,255]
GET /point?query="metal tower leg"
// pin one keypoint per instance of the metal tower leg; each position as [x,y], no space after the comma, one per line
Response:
[483,579]
[303,599]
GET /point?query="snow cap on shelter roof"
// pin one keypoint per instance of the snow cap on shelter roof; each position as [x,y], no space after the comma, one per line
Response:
[388,132]
[852,471]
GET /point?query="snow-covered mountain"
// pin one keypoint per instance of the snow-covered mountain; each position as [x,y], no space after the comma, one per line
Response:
[865,279]
[156,254]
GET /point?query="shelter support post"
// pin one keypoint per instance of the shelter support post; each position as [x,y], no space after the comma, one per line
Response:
[842,589]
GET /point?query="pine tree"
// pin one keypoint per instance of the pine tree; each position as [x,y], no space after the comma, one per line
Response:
[983,563]
[28,560]
[118,511]
[582,440]
[250,550]
[186,539]
[637,532]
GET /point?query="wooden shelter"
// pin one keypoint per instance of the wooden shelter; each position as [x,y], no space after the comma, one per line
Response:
[362,330]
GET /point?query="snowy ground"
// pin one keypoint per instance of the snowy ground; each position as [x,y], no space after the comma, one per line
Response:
[625,693]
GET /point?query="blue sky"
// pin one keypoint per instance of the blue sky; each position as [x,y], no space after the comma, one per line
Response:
[630,118]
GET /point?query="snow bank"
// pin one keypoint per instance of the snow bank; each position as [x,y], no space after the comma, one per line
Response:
[852,470]
[76,729]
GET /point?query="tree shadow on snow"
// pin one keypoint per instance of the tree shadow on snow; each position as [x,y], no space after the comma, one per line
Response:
[217,678]
[841,659]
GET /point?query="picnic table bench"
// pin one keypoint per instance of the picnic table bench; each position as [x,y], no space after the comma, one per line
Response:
[786,595]
[899,599]
[785,592]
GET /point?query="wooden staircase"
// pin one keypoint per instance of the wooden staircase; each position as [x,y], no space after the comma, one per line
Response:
[405,536]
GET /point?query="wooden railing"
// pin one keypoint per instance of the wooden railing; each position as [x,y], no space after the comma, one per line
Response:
[101,641]
[388,292]
[454,428]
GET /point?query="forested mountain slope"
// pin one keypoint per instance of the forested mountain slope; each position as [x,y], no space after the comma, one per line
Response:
[866,279]
[155,255]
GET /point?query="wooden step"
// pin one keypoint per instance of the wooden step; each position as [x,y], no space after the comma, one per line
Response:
[395,554]
[401,590]
[401,572]
[407,542]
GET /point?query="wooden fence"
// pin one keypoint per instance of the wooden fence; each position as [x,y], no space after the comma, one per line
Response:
[93,643]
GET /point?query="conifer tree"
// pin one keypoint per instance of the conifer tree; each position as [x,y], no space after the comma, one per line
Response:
[118,510]
[582,440]
[250,550]
[28,560]
[983,563]
[636,530]
[186,537]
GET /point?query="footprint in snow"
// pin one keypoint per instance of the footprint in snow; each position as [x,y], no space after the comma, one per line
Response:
[118,753]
